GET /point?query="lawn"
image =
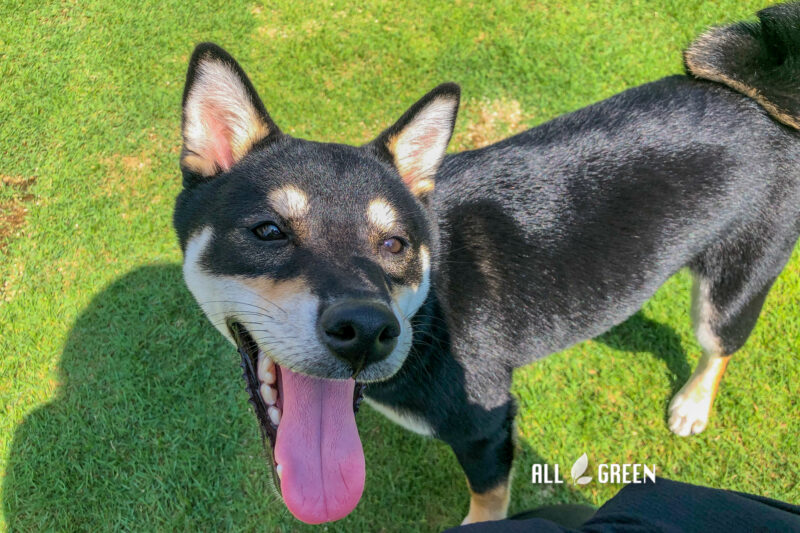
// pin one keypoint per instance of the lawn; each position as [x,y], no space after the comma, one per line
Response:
[124,410]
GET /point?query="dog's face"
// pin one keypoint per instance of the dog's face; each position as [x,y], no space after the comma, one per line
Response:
[311,258]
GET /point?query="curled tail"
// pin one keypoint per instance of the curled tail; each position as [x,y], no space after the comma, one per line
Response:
[759,59]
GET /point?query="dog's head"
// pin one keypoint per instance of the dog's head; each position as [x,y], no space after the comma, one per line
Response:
[310,257]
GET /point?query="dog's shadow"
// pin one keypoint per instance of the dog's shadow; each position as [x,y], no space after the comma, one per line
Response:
[642,334]
[150,429]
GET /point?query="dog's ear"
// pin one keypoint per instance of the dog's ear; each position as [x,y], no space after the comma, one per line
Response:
[416,143]
[223,117]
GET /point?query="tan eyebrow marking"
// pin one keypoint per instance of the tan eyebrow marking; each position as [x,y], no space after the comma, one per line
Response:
[381,214]
[290,202]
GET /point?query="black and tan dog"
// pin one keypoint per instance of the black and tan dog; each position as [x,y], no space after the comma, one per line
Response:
[429,278]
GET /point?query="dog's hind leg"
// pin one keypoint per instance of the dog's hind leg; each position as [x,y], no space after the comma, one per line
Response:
[731,283]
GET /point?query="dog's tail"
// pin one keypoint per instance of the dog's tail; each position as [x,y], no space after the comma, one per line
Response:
[759,59]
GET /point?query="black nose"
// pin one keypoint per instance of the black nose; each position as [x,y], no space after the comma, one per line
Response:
[359,332]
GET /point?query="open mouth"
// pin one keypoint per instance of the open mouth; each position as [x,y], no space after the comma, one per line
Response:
[309,423]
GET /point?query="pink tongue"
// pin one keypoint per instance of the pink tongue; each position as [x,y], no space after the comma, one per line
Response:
[318,449]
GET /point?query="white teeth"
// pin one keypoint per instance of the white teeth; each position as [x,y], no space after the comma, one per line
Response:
[274,415]
[268,394]
[279,469]
[266,369]
[266,375]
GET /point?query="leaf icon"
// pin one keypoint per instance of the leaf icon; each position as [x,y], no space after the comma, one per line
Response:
[579,468]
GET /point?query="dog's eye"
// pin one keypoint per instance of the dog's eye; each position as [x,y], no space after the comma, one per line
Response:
[393,245]
[269,231]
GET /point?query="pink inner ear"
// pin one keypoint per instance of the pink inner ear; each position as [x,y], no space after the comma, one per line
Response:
[220,150]
[414,160]
[221,145]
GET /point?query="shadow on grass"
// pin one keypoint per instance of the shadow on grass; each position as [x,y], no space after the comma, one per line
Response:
[150,429]
[641,334]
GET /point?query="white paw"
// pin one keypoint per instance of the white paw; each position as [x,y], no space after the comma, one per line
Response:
[689,411]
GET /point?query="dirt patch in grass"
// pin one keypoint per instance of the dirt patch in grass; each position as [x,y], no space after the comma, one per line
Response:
[136,162]
[488,121]
[14,197]
[133,173]
[130,178]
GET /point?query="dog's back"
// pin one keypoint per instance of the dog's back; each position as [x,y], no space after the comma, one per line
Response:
[561,232]
[554,235]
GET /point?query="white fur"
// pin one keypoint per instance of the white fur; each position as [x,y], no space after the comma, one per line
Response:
[703,313]
[218,95]
[410,299]
[284,328]
[690,409]
[419,148]
[403,419]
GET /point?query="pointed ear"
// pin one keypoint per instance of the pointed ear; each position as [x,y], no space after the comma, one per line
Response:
[223,117]
[416,143]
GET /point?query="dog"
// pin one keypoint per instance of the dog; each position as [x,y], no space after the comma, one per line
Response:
[422,280]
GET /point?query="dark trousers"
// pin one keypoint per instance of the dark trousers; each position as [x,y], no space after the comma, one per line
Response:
[667,506]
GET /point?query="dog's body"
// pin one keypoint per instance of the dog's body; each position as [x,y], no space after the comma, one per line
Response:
[555,235]
[523,248]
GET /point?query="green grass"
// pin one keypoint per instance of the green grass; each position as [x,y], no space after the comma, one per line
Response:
[124,410]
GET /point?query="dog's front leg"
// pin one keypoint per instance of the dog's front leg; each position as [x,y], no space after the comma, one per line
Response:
[489,505]
[487,464]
